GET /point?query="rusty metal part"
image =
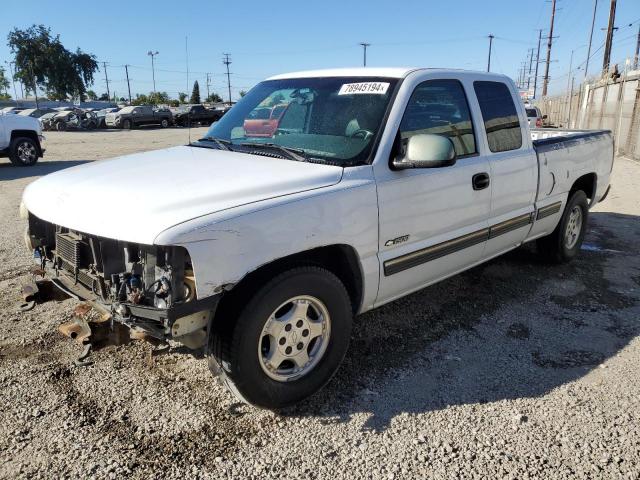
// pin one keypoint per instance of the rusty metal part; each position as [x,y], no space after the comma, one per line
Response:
[82,309]
[77,329]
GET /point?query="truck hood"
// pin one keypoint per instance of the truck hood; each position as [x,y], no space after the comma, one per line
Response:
[136,197]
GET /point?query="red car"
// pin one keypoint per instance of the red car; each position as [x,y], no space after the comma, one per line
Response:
[263,122]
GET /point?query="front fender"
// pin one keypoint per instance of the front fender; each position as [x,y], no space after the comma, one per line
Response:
[226,246]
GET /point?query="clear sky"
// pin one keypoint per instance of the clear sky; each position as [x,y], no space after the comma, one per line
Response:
[266,38]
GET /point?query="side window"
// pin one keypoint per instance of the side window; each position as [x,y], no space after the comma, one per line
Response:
[500,117]
[440,107]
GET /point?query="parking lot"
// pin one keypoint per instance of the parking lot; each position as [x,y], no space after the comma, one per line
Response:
[514,369]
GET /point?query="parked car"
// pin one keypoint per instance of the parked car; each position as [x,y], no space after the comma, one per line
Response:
[137,116]
[378,183]
[21,139]
[47,119]
[12,109]
[101,116]
[195,115]
[73,120]
[264,122]
[534,117]
[36,112]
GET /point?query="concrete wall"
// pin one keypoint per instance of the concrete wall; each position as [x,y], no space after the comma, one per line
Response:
[610,105]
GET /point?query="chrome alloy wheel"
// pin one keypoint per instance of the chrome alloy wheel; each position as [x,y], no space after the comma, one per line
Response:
[574,227]
[27,153]
[294,338]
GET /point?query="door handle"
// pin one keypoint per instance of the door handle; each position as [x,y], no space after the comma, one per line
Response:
[480,181]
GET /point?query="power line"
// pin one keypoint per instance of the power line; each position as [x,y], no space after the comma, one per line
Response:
[593,21]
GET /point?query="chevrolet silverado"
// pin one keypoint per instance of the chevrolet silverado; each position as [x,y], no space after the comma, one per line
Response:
[376,183]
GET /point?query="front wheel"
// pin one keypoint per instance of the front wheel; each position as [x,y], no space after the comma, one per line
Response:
[288,340]
[23,152]
[164,123]
[126,125]
[564,243]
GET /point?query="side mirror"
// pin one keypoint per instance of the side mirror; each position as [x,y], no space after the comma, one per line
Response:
[425,150]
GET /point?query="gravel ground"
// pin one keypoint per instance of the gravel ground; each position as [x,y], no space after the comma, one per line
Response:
[514,369]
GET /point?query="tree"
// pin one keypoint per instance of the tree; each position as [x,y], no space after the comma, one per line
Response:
[195,93]
[104,97]
[42,61]
[213,98]
[182,97]
[242,93]
[4,82]
[91,95]
[154,98]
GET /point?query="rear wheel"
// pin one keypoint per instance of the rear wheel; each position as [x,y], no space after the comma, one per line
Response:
[164,123]
[288,340]
[564,243]
[61,126]
[127,125]
[23,152]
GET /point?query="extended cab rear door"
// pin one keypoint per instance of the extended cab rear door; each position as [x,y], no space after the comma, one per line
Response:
[433,222]
[512,162]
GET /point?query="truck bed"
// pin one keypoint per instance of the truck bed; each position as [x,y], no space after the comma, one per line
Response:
[551,136]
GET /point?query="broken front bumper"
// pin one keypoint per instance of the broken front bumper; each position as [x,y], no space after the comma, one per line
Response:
[176,322]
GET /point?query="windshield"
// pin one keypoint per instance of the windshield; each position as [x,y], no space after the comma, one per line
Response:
[531,112]
[334,119]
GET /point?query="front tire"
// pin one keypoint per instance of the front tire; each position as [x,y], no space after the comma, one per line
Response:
[288,340]
[23,152]
[564,243]
[164,123]
[127,125]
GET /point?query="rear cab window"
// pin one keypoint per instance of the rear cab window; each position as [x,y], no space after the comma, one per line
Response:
[501,120]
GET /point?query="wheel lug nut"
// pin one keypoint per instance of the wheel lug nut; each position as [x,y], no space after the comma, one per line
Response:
[287,350]
[282,341]
[299,323]
[287,327]
[299,346]
[305,333]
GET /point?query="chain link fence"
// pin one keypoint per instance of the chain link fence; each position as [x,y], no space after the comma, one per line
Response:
[610,104]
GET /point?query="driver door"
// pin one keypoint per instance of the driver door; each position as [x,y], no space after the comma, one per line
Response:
[433,221]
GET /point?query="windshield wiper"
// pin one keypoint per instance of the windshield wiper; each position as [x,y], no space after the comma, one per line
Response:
[220,142]
[296,154]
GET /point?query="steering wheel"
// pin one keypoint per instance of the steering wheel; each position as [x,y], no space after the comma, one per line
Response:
[361,132]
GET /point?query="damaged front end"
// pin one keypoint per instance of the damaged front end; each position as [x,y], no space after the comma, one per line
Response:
[149,288]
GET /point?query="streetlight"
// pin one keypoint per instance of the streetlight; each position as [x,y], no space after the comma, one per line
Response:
[364,46]
[153,68]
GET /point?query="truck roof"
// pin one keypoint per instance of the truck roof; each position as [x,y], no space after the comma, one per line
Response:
[395,72]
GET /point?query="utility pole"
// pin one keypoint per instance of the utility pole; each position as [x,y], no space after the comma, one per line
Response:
[106,79]
[364,46]
[535,75]
[153,67]
[593,22]
[545,85]
[491,37]
[35,86]
[635,57]
[529,73]
[609,41]
[126,69]
[208,83]
[227,62]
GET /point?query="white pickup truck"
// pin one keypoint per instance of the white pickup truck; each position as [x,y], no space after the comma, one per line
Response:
[20,139]
[374,184]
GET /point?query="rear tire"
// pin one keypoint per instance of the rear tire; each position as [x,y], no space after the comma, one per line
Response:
[164,123]
[288,340]
[23,152]
[127,125]
[564,243]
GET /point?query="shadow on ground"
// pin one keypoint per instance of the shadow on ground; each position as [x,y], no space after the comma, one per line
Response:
[514,327]
[9,171]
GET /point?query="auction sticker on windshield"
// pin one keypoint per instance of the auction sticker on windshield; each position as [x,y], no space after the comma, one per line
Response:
[376,88]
